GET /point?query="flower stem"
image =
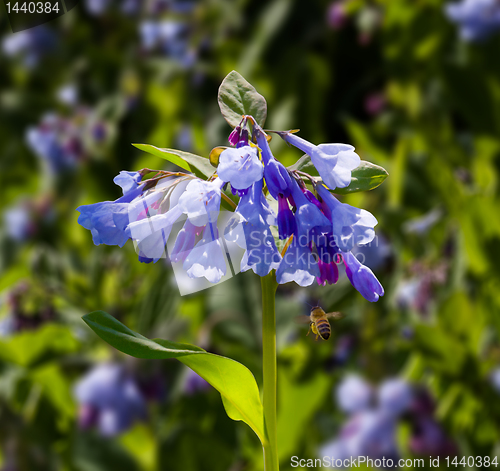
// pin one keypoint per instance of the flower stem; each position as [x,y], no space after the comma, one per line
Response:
[269,285]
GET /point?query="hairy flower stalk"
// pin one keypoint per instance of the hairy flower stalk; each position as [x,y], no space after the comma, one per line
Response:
[319,231]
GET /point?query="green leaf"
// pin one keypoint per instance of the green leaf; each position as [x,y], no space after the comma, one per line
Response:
[200,166]
[234,381]
[237,98]
[293,420]
[27,348]
[366,176]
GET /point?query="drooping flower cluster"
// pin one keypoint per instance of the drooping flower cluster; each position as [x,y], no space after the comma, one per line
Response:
[477,19]
[318,230]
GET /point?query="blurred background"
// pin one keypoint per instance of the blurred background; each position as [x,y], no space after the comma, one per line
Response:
[413,85]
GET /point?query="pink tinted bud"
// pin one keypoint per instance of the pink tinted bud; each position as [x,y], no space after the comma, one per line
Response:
[234,137]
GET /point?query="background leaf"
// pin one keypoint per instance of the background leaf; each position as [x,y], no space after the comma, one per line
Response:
[200,166]
[237,97]
[234,381]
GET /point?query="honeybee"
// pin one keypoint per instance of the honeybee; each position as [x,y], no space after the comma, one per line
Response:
[319,324]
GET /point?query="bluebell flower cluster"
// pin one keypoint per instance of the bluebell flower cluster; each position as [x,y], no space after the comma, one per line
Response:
[305,241]
[477,19]
[109,398]
[373,417]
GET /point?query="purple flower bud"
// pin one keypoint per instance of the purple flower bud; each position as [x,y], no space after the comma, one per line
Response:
[277,179]
[362,278]
[234,137]
[311,197]
[329,273]
[286,220]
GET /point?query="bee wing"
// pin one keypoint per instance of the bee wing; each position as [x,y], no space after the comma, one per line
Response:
[303,320]
[335,315]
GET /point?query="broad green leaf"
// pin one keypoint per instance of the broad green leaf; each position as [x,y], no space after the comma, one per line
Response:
[234,381]
[237,98]
[55,387]
[366,176]
[292,420]
[200,166]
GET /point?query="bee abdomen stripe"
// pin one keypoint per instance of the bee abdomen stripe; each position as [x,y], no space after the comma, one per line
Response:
[323,327]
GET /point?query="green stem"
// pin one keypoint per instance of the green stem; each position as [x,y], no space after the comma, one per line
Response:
[269,286]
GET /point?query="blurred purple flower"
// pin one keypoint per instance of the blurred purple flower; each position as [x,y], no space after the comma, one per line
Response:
[354,394]
[18,222]
[337,15]
[110,399]
[394,396]
[477,19]
[169,37]
[370,433]
[429,439]
[68,94]
[417,291]
[375,103]
[422,225]
[495,379]
[195,384]
[7,326]
[376,254]
[31,44]
[97,7]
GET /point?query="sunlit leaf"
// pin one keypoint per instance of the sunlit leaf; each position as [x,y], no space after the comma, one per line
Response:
[366,176]
[237,98]
[234,381]
[200,166]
